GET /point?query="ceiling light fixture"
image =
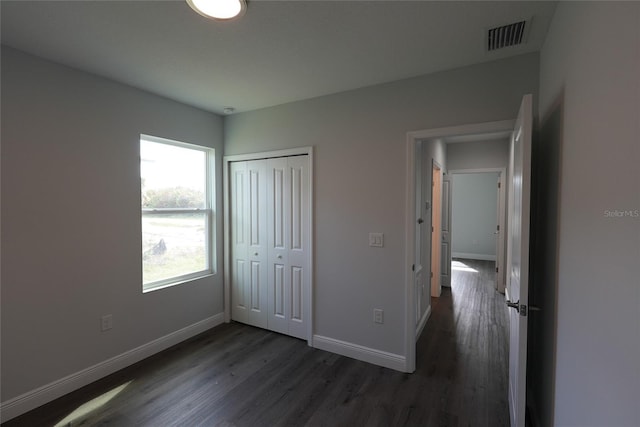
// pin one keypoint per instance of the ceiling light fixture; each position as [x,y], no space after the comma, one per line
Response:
[220,10]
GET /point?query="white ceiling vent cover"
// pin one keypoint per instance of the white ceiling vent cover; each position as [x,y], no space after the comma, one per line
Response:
[506,35]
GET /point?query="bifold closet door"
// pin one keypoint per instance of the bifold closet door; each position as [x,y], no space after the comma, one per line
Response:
[270,238]
[249,243]
[288,240]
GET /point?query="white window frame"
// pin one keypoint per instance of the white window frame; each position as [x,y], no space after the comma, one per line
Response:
[207,210]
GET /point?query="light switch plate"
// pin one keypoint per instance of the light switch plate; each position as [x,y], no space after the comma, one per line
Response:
[376,240]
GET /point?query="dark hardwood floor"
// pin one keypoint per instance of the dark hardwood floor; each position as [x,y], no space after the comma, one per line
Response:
[236,375]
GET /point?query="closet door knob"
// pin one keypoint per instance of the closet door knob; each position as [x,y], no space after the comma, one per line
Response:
[279,256]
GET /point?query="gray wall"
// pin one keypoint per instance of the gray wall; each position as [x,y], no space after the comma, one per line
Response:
[590,110]
[474,215]
[478,154]
[71,249]
[360,167]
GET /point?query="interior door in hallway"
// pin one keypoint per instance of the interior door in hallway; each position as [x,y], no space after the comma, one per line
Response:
[445,253]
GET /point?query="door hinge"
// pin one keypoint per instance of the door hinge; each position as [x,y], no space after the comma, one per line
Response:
[498,227]
[499,185]
[431,274]
[413,267]
[432,228]
[496,269]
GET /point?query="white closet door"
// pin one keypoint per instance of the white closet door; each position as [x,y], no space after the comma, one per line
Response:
[239,264]
[249,243]
[279,205]
[299,243]
[270,243]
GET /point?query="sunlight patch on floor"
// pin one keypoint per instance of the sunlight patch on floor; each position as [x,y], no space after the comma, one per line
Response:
[90,406]
[461,266]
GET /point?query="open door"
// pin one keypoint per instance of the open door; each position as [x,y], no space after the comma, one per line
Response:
[445,254]
[499,233]
[518,259]
[436,228]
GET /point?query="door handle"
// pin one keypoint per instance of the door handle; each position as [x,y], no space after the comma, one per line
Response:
[515,305]
[420,220]
[279,256]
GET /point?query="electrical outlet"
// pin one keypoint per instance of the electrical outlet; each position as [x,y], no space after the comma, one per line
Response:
[378,315]
[106,322]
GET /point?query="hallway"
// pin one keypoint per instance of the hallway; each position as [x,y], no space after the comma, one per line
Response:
[464,348]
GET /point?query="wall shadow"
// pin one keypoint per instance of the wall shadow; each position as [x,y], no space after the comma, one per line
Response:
[543,262]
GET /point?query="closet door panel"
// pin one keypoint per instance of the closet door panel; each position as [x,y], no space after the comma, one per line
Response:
[279,282]
[239,262]
[257,243]
[298,243]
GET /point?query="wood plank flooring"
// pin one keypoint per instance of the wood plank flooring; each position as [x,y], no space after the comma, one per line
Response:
[236,375]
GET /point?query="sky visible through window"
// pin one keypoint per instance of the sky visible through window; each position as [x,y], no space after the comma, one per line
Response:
[164,166]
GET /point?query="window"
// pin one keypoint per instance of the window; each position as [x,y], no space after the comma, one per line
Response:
[176,212]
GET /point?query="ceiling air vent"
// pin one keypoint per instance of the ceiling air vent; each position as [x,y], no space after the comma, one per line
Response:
[506,35]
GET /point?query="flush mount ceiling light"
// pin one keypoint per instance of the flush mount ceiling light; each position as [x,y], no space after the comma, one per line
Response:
[220,10]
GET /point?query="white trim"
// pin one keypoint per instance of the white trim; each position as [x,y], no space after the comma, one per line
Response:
[470,129]
[359,352]
[45,394]
[410,220]
[299,151]
[423,322]
[481,170]
[467,255]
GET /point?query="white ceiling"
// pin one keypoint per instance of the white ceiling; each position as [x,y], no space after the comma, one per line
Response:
[280,51]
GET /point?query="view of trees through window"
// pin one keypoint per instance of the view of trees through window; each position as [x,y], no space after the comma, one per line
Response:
[175,212]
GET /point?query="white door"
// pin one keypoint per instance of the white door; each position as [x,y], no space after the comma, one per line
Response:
[249,243]
[270,243]
[499,233]
[288,237]
[436,227]
[445,253]
[419,237]
[518,260]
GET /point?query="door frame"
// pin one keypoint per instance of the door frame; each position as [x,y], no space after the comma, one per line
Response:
[501,258]
[504,128]
[300,151]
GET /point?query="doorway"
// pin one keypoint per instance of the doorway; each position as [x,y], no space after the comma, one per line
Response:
[500,129]
[478,218]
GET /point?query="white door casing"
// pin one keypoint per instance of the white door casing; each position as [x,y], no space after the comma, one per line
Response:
[518,259]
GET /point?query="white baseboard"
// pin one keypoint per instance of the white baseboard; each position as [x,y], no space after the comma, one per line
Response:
[467,255]
[423,322]
[45,394]
[359,352]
